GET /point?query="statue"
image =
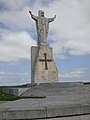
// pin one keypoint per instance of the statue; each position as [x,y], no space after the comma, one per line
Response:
[42,25]
[43,67]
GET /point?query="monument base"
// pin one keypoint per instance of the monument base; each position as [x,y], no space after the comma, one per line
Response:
[63,101]
[43,69]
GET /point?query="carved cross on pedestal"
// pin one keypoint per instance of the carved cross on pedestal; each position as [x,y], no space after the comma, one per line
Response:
[45,60]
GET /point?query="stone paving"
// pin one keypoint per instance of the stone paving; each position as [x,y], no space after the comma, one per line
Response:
[83,117]
[67,103]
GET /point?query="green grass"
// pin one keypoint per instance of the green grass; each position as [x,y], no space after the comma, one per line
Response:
[14,86]
[87,83]
[7,97]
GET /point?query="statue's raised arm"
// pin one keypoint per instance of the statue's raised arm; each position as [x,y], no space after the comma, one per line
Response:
[33,16]
[42,25]
[51,19]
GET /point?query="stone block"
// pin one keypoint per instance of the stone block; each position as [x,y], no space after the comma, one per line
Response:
[81,117]
[43,67]
[55,89]
[68,110]
[17,114]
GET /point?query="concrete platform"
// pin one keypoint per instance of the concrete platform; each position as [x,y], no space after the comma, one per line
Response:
[50,107]
[83,117]
[43,89]
[57,89]
[65,103]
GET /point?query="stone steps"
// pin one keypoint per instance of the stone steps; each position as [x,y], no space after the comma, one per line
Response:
[56,89]
[50,107]
[60,103]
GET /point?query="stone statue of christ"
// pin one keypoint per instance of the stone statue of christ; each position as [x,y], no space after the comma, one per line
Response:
[42,25]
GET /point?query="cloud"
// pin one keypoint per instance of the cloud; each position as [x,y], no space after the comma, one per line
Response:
[69,33]
[15,45]
[17,19]
[71,28]
[3,73]
[14,4]
[73,74]
[80,47]
[77,74]
[14,78]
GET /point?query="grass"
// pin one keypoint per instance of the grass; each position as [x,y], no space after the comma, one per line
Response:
[87,83]
[14,86]
[8,97]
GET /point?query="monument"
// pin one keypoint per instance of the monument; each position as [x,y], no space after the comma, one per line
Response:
[57,101]
[43,67]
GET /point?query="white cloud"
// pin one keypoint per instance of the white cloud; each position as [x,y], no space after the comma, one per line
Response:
[14,78]
[71,28]
[17,19]
[73,74]
[80,47]
[15,45]
[69,32]
[3,73]
[77,74]
[14,4]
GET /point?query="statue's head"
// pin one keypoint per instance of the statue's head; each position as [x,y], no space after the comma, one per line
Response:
[40,13]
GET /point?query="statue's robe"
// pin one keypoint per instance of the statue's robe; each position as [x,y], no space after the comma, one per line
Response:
[42,26]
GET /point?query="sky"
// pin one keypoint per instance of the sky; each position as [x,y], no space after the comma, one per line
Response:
[69,36]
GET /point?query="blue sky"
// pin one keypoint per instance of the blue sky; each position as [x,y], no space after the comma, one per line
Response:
[69,36]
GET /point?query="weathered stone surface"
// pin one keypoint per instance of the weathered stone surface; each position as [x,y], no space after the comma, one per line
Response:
[82,117]
[42,25]
[57,89]
[47,89]
[43,70]
[51,106]
[17,114]
[67,110]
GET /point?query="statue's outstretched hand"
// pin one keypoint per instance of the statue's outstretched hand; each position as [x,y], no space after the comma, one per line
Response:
[30,12]
[54,16]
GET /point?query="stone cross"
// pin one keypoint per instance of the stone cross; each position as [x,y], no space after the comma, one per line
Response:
[45,60]
[42,25]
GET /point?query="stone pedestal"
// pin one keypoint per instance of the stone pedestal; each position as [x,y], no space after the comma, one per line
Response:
[43,67]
